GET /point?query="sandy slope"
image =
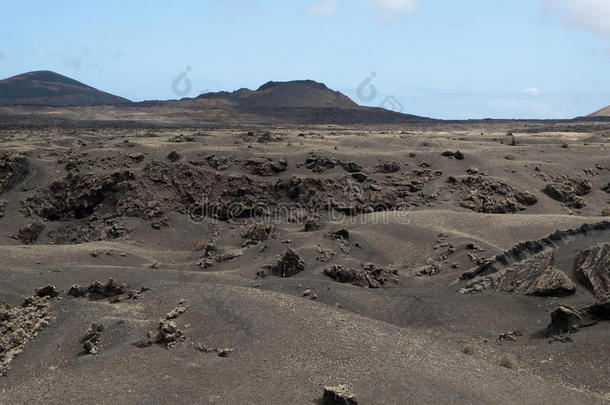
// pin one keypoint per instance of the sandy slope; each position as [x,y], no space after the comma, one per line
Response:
[286,346]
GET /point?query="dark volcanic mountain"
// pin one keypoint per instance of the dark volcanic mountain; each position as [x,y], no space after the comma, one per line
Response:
[301,102]
[294,94]
[49,88]
[304,102]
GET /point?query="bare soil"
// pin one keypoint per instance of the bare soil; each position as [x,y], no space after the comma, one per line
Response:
[278,263]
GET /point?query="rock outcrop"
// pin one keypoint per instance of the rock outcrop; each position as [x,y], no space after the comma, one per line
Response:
[319,164]
[388,167]
[265,166]
[566,319]
[92,338]
[525,249]
[456,155]
[257,233]
[77,196]
[19,325]
[482,194]
[112,291]
[168,334]
[369,275]
[532,276]
[569,190]
[593,269]
[14,167]
[351,167]
[289,264]
[29,233]
[48,291]
[339,395]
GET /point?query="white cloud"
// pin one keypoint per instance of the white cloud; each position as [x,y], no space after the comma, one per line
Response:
[388,9]
[532,91]
[589,15]
[325,8]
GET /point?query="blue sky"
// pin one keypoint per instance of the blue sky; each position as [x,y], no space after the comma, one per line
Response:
[449,59]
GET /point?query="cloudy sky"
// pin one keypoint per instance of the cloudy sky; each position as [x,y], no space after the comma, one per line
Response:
[438,58]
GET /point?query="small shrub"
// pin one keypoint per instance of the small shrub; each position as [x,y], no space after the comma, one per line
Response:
[508,361]
[468,349]
[606,212]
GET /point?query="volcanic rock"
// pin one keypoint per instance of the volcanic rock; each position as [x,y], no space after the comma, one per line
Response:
[14,168]
[257,233]
[456,155]
[77,196]
[351,167]
[99,291]
[532,276]
[569,191]
[369,275]
[531,247]
[92,337]
[111,290]
[388,167]
[493,196]
[311,225]
[568,319]
[265,166]
[19,325]
[77,291]
[338,395]
[28,234]
[48,291]
[268,137]
[219,163]
[175,313]
[342,234]
[359,177]
[431,269]
[289,264]
[173,156]
[593,269]
[168,334]
[319,164]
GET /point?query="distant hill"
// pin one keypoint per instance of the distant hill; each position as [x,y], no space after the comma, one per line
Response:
[294,94]
[300,102]
[49,88]
[303,102]
[604,112]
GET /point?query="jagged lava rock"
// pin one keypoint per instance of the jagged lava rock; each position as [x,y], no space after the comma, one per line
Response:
[593,269]
[532,276]
[289,264]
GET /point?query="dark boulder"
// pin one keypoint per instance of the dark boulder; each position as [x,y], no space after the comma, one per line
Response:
[289,264]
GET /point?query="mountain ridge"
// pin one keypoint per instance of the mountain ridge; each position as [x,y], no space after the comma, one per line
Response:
[295,93]
[44,87]
[297,101]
